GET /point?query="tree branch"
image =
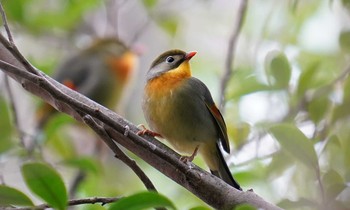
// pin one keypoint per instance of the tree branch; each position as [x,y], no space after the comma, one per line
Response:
[118,152]
[74,202]
[230,52]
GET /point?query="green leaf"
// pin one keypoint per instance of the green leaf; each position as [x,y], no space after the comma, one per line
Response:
[200,208]
[57,15]
[317,107]
[251,85]
[15,10]
[333,184]
[277,69]
[5,127]
[169,25]
[346,3]
[279,164]
[344,41]
[46,183]
[342,110]
[238,133]
[10,196]
[150,4]
[57,140]
[245,207]
[296,143]
[142,200]
[84,163]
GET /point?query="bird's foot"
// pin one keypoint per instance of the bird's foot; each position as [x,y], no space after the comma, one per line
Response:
[187,159]
[145,131]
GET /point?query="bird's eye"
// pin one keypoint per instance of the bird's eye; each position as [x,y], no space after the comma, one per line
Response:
[170,59]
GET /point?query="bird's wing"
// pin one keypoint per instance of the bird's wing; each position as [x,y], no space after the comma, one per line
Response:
[215,112]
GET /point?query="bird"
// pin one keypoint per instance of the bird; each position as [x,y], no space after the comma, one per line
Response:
[101,72]
[180,108]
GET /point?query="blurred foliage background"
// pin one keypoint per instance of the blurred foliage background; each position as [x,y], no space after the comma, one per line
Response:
[287,107]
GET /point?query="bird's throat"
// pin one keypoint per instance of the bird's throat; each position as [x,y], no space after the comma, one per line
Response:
[170,79]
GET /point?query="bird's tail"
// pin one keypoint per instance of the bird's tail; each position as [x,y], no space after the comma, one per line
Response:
[224,172]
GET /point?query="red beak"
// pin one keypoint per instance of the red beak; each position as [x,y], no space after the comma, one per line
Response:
[189,55]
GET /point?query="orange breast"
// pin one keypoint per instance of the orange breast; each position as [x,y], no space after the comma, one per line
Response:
[168,81]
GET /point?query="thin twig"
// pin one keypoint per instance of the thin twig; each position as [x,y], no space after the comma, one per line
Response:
[118,152]
[12,48]
[14,110]
[79,178]
[230,52]
[3,15]
[74,202]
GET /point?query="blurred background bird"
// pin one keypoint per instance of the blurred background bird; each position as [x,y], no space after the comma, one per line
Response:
[101,72]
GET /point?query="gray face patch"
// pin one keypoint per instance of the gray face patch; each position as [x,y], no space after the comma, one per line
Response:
[165,62]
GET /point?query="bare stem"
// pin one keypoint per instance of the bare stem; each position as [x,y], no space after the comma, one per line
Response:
[230,52]
[14,111]
[4,18]
[74,202]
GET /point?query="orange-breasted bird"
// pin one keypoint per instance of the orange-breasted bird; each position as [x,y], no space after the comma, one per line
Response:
[100,72]
[180,108]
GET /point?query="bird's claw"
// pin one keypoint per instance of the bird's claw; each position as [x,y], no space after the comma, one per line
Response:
[145,131]
[187,159]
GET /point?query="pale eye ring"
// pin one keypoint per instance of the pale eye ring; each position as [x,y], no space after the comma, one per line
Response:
[170,59]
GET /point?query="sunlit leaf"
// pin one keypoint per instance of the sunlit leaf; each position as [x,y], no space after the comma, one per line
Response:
[46,183]
[142,200]
[277,69]
[11,196]
[296,143]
